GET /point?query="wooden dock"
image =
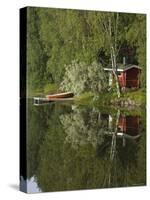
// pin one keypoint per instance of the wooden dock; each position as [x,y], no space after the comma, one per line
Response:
[40,100]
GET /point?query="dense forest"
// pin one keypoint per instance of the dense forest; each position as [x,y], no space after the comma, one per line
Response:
[68,49]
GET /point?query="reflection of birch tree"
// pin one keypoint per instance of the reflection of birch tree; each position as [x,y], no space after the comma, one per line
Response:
[120,157]
[114,137]
[111,171]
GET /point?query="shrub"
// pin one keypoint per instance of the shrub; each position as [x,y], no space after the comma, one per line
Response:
[80,77]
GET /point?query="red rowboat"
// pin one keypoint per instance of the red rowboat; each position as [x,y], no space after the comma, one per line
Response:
[60,95]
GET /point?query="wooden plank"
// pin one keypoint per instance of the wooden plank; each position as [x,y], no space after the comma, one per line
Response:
[40,100]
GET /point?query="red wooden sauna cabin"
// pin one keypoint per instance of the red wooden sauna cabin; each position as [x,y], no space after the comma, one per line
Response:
[128,75]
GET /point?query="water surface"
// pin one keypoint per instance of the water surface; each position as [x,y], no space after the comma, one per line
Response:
[72,147]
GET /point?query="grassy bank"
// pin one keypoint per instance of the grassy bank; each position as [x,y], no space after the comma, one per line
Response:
[127,99]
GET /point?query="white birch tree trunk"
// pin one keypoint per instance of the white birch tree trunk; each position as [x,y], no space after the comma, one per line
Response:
[114,69]
[113,48]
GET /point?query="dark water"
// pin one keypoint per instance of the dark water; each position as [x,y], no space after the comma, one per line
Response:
[70,147]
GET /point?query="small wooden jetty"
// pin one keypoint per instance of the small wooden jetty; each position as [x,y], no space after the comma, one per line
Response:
[65,96]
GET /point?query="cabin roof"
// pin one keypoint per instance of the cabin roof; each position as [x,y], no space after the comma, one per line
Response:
[121,67]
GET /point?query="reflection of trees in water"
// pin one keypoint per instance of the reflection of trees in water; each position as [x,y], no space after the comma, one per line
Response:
[68,149]
[83,127]
[37,127]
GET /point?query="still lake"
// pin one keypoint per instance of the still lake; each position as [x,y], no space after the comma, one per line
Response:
[71,147]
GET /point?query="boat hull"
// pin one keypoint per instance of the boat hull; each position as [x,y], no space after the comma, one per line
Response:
[60,95]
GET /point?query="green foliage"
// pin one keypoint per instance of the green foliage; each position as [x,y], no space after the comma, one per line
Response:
[56,37]
[80,132]
[80,77]
[85,97]
[36,57]
[50,88]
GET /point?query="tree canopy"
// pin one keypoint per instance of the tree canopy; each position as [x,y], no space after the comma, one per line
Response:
[56,37]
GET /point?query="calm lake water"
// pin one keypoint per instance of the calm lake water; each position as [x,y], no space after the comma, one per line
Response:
[72,147]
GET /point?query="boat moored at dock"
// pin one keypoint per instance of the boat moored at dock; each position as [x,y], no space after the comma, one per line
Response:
[60,95]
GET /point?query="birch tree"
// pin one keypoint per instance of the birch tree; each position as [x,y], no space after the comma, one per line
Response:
[110,25]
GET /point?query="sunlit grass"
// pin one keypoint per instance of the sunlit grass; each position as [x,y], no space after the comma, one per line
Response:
[138,98]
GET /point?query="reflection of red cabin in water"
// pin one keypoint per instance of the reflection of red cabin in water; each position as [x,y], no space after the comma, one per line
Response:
[128,75]
[129,125]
